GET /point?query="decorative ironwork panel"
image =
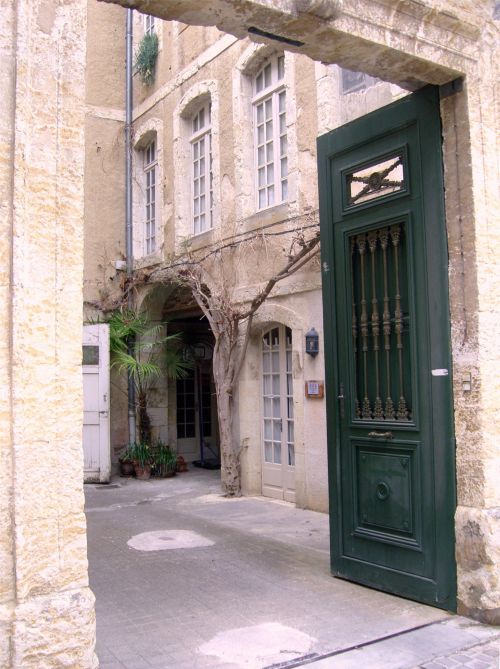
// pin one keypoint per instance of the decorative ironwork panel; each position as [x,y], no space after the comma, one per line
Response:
[376,180]
[380,325]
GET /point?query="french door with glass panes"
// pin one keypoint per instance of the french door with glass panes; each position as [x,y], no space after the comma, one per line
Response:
[278,456]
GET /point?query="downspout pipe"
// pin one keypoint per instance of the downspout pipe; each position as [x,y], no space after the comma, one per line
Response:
[129,249]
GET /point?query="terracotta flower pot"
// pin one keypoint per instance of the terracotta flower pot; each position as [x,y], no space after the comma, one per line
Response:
[142,472]
[126,468]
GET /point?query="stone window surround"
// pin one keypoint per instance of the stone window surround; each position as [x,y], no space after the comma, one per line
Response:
[198,95]
[247,66]
[150,130]
[201,150]
[270,95]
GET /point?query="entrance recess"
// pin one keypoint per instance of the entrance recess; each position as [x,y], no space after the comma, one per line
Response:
[278,458]
[387,350]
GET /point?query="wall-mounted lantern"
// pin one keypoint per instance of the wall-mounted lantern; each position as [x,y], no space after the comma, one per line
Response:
[312,342]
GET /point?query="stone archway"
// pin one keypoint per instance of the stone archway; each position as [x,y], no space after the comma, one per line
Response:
[46,608]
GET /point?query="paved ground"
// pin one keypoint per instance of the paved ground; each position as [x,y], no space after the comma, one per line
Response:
[185,579]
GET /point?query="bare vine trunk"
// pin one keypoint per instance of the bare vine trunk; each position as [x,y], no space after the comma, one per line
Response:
[231,325]
[225,333]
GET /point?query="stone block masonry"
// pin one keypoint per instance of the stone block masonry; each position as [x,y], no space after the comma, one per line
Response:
[46,607]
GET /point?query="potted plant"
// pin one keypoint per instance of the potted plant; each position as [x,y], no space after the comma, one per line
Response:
[126,461]
[142,458]
[165,460]
[145,59]
[144,353]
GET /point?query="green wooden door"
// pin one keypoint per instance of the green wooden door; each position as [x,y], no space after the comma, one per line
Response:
[387,350]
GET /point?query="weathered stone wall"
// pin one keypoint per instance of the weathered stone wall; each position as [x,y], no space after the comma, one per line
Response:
[46,606]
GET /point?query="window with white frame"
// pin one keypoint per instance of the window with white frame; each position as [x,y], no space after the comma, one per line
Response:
[202,172]
[150,169]
[269,111]
[149,24]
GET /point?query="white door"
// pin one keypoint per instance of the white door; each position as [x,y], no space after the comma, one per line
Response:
[278,457]
[96,447]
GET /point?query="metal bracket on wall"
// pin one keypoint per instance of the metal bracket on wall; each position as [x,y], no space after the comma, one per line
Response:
[451,87]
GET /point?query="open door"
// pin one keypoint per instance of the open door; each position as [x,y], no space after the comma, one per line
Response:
[96,446]
[387,350]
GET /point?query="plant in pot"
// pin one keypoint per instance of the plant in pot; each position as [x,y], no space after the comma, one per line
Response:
[144,353]
[142,458]
[126,461]
[165,460]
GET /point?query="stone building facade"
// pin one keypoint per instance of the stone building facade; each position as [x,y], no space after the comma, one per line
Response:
[193,69]
[205,57]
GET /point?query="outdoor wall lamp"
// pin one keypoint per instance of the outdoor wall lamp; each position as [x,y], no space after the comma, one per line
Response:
[312,342]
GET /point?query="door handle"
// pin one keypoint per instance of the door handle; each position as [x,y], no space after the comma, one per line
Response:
[341,399]
[380,435]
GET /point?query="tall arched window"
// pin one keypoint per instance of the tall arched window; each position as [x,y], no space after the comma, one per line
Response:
[150,167]
[202,173]
[270,134]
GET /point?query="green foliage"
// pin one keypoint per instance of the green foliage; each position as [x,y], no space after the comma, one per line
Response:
[163,454]
[128,454]
[145,58]
[143,351]
[141,453]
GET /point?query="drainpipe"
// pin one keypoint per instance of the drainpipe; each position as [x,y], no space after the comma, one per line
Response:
[129,251]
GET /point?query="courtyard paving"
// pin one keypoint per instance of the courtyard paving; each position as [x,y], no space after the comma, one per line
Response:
[186,579]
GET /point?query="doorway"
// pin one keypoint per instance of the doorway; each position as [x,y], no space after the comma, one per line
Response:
[278,454]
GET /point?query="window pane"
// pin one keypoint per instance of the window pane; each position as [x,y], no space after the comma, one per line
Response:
[276,407]
[270,173]
[290,407]
[276,384]
[260,134]
[268,451]
[260,156]
[262,199]
[269,108]
[267,75]
[265,362]
[282,101]
[270,195]
[281,67]
[260,113]
[277,454]
[291,455]
[262,179]
[276,361]
[269,130]
[259,82]
[277,430]
[268,429]
[267,406]
[269,152]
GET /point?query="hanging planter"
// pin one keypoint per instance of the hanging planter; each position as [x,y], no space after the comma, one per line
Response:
[145,58]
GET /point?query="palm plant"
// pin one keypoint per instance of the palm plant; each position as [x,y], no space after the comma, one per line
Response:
[141,350]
